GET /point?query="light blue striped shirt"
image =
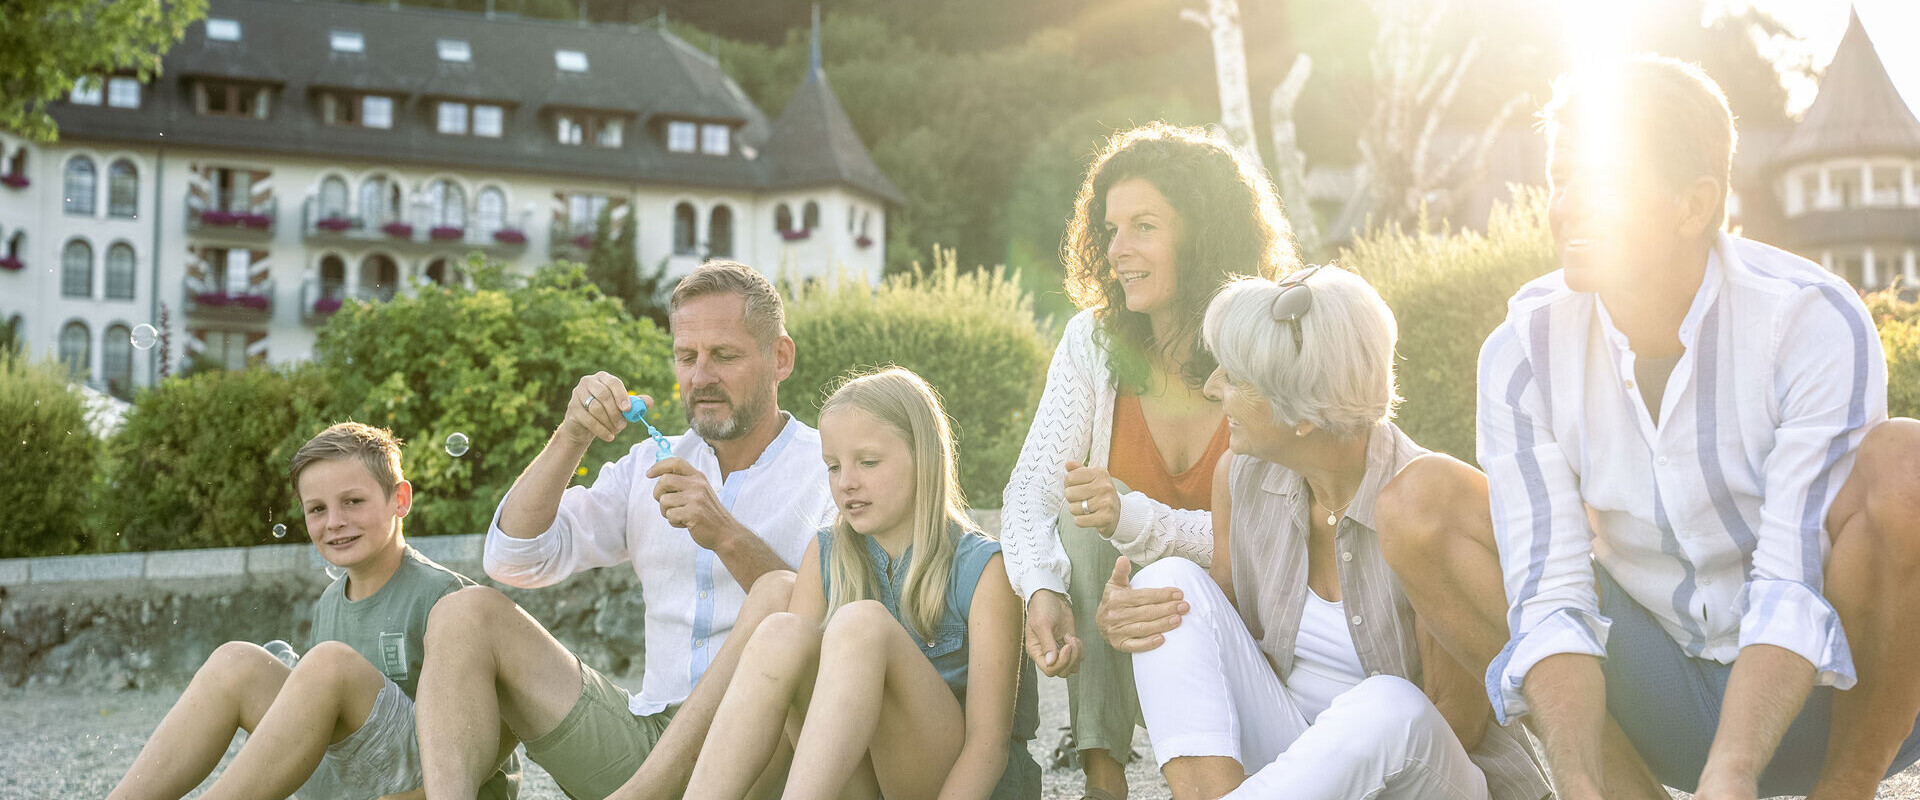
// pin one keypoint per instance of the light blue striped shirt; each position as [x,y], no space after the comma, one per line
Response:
[1714,518]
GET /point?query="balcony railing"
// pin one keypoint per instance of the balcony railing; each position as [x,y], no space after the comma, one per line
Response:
[251,304]
[412,230]
[232,217]
[570,239]
[320,301]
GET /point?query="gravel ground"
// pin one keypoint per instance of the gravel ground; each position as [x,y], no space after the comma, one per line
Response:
[66,744]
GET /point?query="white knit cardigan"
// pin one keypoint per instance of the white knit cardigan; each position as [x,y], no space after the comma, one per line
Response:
[1075,423]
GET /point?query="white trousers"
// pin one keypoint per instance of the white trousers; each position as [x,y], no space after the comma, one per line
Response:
[1209,691]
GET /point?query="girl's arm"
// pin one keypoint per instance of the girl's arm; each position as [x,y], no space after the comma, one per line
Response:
[809,596]
[993,674]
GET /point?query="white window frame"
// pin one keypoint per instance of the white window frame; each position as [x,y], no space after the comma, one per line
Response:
[455,50]
[347,42]
[610,133]
[716,140]
[376,111]
[443,121]
[123,92]
[489,121]
[568,129]
[87,91]
[221,29]
[682,137]
[570,60]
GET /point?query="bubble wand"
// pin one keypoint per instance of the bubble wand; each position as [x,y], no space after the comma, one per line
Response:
[637,412]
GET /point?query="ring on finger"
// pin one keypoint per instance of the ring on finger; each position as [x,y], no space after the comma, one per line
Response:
[587,403]
[1084,509]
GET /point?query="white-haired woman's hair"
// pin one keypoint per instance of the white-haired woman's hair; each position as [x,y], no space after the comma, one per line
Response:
[1341,376]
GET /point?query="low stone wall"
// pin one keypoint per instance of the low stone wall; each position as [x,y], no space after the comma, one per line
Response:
[148,620]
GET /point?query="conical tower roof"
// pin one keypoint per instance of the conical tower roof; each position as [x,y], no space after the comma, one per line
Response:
[1858,111]
[813,143]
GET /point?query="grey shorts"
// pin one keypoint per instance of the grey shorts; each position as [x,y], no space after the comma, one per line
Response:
[382,757]
[1668,703]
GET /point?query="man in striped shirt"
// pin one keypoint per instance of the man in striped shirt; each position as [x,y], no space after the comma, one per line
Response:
[1705,522]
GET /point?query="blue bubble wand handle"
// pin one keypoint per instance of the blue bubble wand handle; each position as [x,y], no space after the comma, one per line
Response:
[637,412]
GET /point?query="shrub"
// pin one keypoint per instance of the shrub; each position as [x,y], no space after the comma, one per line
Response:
[46,478]
[497,363]
[1899,323]
[973,337]
[201,461]
[1449,290]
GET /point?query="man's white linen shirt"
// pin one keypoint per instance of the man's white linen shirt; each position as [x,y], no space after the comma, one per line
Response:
[691,598]
[1713,519]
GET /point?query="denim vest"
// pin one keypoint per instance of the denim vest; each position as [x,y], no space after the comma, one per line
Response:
[947,648]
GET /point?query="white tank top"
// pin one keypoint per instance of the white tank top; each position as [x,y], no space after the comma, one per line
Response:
[1325,663]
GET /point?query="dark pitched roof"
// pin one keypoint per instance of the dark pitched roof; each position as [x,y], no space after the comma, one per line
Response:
[1858,110]
[642,72]
[814,144]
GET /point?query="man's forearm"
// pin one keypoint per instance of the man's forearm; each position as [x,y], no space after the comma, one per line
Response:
[534,500]
[747,556]
[1567,695]
[1764,694]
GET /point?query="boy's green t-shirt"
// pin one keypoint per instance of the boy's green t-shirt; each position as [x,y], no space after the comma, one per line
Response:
[388,630]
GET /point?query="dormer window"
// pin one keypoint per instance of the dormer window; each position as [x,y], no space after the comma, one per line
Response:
[230,99]
[682,137]
[460,119]
[570,60]
[715,140]
[223,30]
[86,92]
[456,50]
[123,92]
[366,111]
[576,128]
[348,42]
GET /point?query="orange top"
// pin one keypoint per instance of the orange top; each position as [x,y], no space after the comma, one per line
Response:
[1136,461]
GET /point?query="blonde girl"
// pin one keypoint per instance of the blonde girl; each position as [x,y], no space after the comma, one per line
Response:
[897,669]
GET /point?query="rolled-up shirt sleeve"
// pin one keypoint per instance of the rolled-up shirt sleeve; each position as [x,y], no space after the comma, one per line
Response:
[589,530]
[1831,382]
[1539,522]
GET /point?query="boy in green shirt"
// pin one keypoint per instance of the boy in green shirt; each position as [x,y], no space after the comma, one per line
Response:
[339,722]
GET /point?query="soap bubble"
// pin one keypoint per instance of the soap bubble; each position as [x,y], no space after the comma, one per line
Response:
[457,444]
[282,651]
[145,336]
[279,531]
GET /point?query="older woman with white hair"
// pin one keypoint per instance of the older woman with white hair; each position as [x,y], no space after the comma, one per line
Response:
[1294,667]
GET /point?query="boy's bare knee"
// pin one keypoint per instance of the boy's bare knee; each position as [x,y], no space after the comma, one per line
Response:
[241,662]
[468,611]
[1889,460]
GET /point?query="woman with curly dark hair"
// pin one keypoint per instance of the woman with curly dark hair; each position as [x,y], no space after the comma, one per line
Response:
[1121,454]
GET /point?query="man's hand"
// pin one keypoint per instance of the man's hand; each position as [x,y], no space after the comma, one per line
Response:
[1136,620]
[687,501]
[594,409]
[1050,639]
[1092,499]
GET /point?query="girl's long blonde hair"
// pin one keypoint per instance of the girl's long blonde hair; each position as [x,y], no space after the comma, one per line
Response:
[905,403]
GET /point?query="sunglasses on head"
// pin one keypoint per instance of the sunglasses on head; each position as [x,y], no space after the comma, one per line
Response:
[1294,301]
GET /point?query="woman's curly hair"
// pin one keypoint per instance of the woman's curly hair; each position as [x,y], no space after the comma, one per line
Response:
[1232,223]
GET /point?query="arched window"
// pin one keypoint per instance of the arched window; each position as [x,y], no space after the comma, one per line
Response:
[333,198]
[17,244]
[123,190]
[810,217]
[120,268]
[76,349]
[683,222]
[443,272]
[116,361]
[76,270]
[865,217]
[782,218]
[380,277]
[379,202]
[17,164]
[80,188]
[720,233]
[448,203]
[333,278]
[490,210]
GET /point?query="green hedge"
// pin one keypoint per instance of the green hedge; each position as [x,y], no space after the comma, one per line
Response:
[972,336]
[1899,323]
[47,473]
[1449,290]
[201,461]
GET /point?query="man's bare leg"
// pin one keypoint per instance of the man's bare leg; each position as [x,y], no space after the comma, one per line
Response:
[489,666]
[1436,530]
[1875,523]
[668,767]
[231,692]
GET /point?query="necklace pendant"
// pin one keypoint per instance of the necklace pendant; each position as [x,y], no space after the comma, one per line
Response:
[1331,519]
